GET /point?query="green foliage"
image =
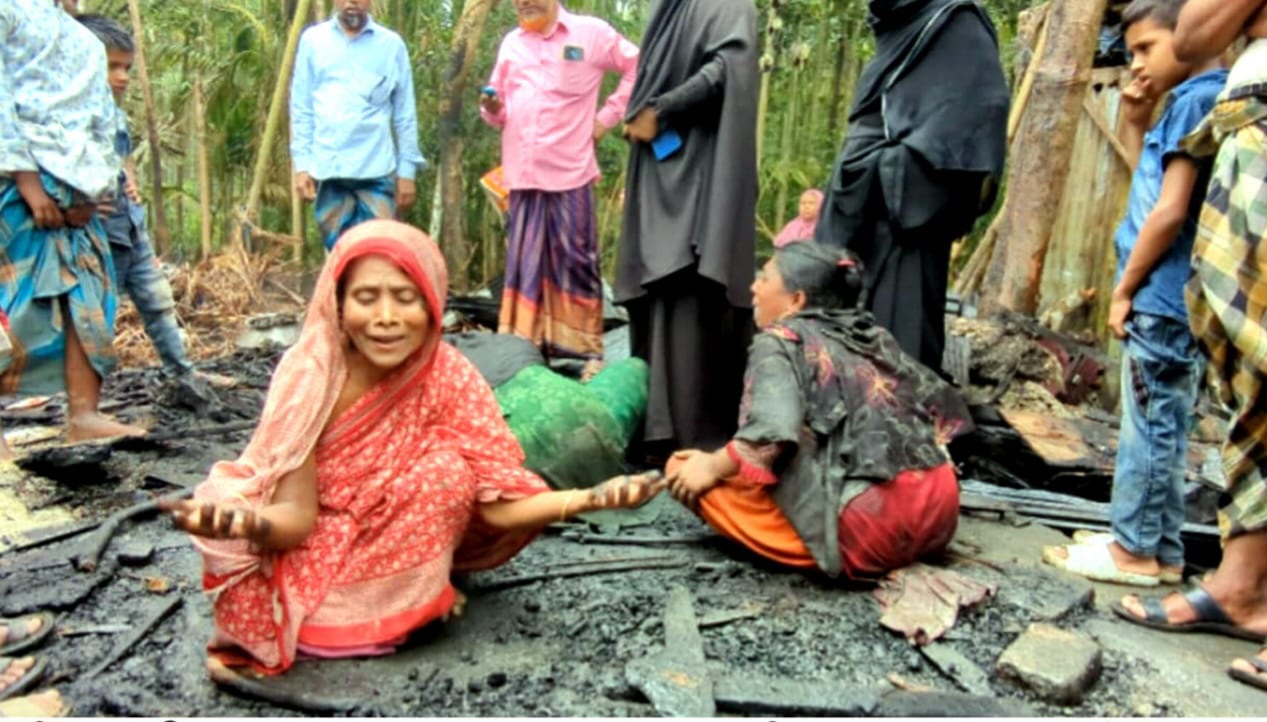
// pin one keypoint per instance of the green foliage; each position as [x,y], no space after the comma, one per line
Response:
[813,49]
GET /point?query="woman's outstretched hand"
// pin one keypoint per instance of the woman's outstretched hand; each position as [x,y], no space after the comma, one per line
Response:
[695,474]
[205,519]
[627,492]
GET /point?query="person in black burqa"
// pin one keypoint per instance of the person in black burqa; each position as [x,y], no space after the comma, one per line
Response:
[921,162]
[687,249]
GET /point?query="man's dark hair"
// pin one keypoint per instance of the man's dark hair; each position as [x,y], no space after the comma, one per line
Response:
[831,278]
[111,34]
[1163,12]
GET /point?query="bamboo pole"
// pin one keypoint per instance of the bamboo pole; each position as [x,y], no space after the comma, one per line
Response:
[162,235]
[275,108]
[204,166]
[297,223]
[1042,156]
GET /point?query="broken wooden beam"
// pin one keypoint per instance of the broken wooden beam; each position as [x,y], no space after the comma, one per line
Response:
[675,679]
[96,545]
[49,535]
[581,569]
[136,636]
[613,540]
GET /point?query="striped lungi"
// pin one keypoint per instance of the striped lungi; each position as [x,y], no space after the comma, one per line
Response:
[40,267]
[554,290]
[1227,295]
[346,202]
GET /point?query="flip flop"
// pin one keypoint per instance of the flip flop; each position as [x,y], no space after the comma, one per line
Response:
[19,639]
[1258,680]
[26,682]
[1095,561]
[1086,536]
[24,707]
[1211,619]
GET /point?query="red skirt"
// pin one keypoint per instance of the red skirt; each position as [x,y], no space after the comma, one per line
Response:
[886,527]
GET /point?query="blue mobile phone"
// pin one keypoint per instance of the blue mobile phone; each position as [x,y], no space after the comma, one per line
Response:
[666,144]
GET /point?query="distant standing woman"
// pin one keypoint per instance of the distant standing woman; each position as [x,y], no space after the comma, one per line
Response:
[927,135]
[687,249]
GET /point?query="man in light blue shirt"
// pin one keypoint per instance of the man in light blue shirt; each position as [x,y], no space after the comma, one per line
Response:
[353,90]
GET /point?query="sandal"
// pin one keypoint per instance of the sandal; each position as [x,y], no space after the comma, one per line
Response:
[1211,619]
[26,681]
[1095,561]
[1257,678]
[20,638]
[1086,536]
[29,708]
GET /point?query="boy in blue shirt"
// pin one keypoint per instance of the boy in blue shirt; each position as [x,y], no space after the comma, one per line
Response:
[136,268]
[1161,366]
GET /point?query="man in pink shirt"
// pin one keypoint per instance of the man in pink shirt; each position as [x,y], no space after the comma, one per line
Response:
[544,99]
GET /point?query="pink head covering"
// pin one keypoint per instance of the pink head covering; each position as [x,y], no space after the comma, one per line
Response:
[799,229]
[310,377]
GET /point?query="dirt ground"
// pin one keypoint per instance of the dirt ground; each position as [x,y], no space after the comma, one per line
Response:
[556,647]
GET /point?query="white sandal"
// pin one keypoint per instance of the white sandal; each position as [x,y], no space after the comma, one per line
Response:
[1086,536]
[1095,561]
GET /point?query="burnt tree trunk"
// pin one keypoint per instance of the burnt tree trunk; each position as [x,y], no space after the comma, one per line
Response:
[453,237]
[1041,155]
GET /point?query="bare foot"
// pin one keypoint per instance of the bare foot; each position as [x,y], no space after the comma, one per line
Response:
[220,672]
[94,426]
[41,704]
[1123,560]
[33,626]
[16,670]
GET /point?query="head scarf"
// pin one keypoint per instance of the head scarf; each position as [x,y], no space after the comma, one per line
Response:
[310,376]
[799,229]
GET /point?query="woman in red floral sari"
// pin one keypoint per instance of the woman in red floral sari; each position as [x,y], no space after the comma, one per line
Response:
[380,465]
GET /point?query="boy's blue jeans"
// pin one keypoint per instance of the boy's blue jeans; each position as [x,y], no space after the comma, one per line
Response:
[1161,369]
[136,271]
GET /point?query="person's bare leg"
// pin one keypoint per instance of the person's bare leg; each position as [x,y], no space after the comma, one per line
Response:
[1239,585]
[83,389]
[6,454]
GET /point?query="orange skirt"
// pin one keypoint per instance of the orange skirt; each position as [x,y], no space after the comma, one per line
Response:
[886,527]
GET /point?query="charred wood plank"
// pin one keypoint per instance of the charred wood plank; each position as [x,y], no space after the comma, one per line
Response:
[96,545]
[135,637]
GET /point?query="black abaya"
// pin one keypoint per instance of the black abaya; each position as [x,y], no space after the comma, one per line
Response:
[922,160]
[687,257]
